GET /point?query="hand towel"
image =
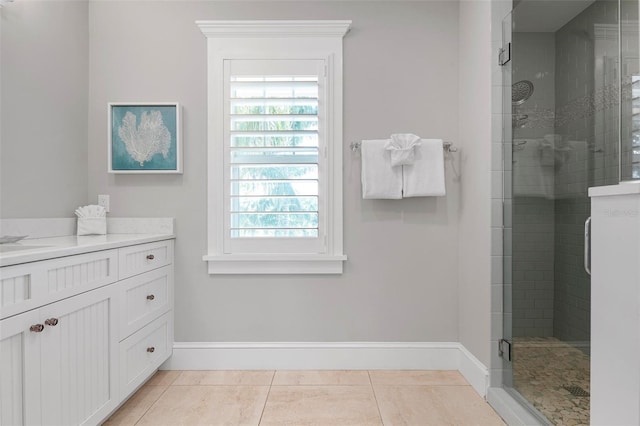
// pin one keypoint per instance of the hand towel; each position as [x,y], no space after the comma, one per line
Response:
[530,177]
[572,172]
[402,148]
[379,179]
[425,177]
[547,149]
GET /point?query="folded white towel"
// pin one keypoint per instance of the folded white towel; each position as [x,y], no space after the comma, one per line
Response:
[402,148]
[425,177]
[530,177]
[379,179]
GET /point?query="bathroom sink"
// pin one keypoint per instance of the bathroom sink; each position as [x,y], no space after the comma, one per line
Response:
[5,248]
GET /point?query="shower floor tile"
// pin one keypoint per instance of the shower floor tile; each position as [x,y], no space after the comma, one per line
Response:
[543,369]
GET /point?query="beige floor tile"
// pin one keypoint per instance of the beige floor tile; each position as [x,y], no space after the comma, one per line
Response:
[321,405]
[434,405]
[255,378]
[207,405]
[136,406]
[417,377]
[321,377]
[163,378]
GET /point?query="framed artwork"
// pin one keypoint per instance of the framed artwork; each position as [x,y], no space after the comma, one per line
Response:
[144,137]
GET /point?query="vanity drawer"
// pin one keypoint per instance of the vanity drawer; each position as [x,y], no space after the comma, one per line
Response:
[141,258]
[143,352]
[31,285]
[18,284]
[82,272]
[144,297]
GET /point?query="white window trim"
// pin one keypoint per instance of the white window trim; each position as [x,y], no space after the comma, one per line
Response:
[274,40]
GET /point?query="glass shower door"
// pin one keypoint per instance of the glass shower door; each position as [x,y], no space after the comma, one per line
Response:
[563,109]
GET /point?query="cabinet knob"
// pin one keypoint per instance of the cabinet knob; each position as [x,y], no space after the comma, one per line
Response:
[151,349]
[36,328]
[52,322]
[150,257]
[150,297]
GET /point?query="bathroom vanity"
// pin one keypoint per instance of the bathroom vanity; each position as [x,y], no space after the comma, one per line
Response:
[615,304]
[84,321]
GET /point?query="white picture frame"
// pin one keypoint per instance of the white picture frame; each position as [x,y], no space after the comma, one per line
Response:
[144,137]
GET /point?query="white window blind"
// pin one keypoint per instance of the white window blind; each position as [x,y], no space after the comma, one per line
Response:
[274,175]
[273,156]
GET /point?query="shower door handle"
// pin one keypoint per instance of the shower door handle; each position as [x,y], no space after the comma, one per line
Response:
[587,245]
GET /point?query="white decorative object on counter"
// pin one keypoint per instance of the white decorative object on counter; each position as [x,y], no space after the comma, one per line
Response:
[92,220]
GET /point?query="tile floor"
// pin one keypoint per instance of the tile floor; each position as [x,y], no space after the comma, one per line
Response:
[300,398]
[542,369]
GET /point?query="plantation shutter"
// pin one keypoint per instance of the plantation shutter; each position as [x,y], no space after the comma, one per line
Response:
[273,161]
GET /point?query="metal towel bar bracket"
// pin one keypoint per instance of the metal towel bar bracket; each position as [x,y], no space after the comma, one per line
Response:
[448,146]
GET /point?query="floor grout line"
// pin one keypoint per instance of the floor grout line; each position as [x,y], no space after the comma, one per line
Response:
[154,402]
[375,397]
[273,376]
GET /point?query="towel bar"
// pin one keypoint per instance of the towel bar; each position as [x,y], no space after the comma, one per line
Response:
[448,146]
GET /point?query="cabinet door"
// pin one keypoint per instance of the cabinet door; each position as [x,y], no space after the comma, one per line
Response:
[20,369]
[79,358]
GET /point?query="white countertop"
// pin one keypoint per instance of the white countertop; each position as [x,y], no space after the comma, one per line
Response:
[36,249]
[623,188]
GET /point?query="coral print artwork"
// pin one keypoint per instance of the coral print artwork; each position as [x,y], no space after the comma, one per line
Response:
[144,138]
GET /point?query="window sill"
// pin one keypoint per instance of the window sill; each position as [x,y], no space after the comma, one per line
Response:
[275,263]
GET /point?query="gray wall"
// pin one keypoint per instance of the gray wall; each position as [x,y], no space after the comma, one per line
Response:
[475,165]
[401,75]
[403,280]
[44,82]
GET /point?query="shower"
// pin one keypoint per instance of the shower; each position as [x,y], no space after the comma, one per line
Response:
[580,129]
[521,91]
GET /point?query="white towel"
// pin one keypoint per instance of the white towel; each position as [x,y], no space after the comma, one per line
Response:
[402,148]
[548,147]
[425,177]
[530,177]
[379,179]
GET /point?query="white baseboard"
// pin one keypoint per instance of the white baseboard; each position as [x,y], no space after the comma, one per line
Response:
[474,371]
[329,356]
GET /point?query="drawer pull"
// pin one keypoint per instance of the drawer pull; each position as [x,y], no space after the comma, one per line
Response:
[36,328]
[150,297]
[52,322]
[151,349]
[150,257]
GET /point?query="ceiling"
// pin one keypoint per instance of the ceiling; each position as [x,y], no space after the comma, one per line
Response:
[545,16]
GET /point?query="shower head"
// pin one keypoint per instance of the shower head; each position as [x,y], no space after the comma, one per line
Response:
[521,91]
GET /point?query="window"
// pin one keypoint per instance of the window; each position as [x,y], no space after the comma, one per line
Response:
[273,140]
[275,146]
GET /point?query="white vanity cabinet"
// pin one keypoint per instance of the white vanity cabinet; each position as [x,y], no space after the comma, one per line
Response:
[75,358]
[615,304]
[59,360]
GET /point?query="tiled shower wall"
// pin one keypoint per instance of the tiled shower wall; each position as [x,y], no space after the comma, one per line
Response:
[586,118]
[630,10]
[533,205]
[533,230]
